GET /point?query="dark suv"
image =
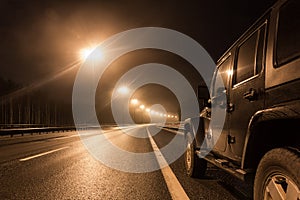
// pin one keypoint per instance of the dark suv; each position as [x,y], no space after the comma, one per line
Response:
[259,139]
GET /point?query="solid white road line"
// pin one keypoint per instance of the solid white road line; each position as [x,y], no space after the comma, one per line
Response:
[42,154]
[88,133]
[173,131]
[175,188]
[64,137]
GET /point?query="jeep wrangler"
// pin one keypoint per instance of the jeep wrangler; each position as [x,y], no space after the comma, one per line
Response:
[259,139]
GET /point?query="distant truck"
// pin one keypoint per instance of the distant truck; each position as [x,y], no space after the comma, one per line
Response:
[260,138]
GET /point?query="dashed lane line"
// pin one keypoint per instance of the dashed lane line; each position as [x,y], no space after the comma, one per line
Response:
[42,154]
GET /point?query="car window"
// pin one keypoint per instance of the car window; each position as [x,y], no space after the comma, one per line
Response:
[260,50]
[250,56]
[246,59]
[288,35]
[221,77]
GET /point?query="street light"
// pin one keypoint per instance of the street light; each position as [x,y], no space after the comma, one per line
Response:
[86,52]
[142,107]
[134,102]
[123,90]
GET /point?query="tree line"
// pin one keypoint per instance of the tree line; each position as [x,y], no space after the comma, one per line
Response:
[21,108]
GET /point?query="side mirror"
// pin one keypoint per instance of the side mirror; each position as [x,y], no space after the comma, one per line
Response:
[203,96]
[203,93]
[220,98]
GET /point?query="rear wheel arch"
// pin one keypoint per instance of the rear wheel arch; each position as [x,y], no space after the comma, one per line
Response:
[265,135]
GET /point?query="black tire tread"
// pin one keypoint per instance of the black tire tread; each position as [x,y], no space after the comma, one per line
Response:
[284,159]
[199,165]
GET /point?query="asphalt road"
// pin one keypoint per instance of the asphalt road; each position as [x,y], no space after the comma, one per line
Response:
[58,166]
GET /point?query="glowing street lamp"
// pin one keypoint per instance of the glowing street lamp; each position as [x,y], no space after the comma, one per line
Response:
[97,54]
[123,90]
[86,52]
[142,107]
[134,101]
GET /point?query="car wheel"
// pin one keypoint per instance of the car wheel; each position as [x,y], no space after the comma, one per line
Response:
[278,176]
[195,166]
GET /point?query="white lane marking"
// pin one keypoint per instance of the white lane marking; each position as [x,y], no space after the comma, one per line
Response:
[87,133]
[64,137]
[173,131]
[175,188]
[42,154]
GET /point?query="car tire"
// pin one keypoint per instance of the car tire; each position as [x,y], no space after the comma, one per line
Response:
[278,175]
[195,166]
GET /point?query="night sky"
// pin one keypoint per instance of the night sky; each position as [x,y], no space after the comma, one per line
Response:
[41,38]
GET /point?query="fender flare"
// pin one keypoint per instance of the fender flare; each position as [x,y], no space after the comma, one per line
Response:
[287,111]
[196,127]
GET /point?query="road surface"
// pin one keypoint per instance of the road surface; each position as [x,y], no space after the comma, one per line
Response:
[58,166]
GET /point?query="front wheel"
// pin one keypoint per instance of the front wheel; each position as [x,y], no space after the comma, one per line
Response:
[278,176]
[195,166]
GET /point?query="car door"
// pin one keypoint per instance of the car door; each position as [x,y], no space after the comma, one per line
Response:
[219,119]
[247,87]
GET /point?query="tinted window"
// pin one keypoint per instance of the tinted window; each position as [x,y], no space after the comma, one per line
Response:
[246,59]
[288,36]
[222,74]
[250,56]
[260,50]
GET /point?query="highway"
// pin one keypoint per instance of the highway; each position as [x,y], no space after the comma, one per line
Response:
[58,166]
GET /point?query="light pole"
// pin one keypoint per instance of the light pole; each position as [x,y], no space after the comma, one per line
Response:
[123,90]
[134,102]
[142,107]
[92,55]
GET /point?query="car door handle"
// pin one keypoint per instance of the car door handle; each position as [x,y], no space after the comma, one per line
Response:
[230,107]
[250,95]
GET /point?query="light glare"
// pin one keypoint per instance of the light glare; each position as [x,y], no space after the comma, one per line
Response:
[86,52]
[123,90]
[142,107]
[134,101]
